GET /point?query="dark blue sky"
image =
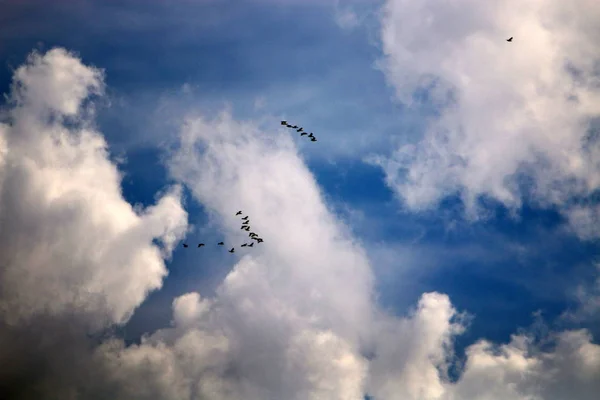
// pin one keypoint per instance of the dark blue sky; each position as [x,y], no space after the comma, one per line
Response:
[294,61]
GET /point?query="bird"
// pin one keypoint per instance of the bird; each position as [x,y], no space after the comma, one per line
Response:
[200,244]
[251,244]
[245,218]
[247,228]
[314,139]
[245,244]
[185,245]
[232,250]
[311,135]
[259,240]
[288,125]
[509,39]
[252,234]
[238,213]
[220,243]
[244,227]
[300,129]
[245,222]
[303,133]
[295,127]
[283,122]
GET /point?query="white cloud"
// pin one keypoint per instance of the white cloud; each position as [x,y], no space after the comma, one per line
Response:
[296,318]
[69,239]
[509,109]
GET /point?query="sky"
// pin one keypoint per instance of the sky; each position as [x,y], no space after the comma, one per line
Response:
[439,240]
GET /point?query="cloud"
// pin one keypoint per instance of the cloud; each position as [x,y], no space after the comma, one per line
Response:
[295,318]
[516,120]
[71,248]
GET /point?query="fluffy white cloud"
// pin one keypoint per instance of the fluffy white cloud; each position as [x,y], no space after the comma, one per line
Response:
[510,111]
[296,318]
[69,240]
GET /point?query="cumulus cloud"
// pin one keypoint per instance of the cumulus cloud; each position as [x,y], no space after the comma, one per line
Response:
[70,245]
[517,119]
[295,318]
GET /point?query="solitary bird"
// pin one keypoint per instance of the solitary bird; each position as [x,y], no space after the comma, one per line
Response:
[185,245]
[238,213]
[232,250]
[200,244]
[251,244]
[220,243]
[283,122]
[509,39]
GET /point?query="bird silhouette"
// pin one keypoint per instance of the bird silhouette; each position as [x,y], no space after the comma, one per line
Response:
[220,243]
[185,245]
[232,250]
[259,240]
[245,218]
[314,139]
[245,222]
[295,127]
[244,227]
[251,244]
[509,39]
[283,122]
[245,244]
[303,133]
[200,244]
[252,234]
[238,213]
[311,135]
[300,129]
[247,228]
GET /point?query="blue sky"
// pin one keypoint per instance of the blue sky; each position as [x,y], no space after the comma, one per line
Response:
[268,60]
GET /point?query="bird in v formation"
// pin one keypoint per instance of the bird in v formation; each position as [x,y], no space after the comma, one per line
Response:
[245,226]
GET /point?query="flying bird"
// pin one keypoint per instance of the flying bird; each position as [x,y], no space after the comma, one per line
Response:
[245,244]
[200,244]
[314,139]
[295,127]
[232,250]
[509,39]
[311,135]
[238,213]
[283,122]
[300,129]
[246,222]
[185,245]
[288,125]
[251,244]
[220,243]
[245,218]
[247,228]
[303,133]
[259,240]
[252,234]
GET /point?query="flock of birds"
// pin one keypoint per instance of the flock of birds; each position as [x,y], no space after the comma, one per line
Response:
[245,226]
[300,129]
